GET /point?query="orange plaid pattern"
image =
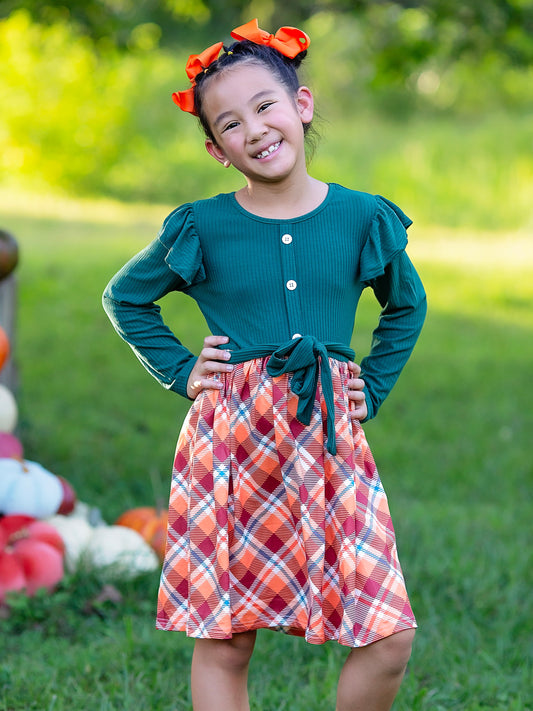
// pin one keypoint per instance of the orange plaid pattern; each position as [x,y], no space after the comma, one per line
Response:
[269,530]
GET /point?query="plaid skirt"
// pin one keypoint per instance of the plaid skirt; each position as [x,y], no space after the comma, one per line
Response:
[268,530]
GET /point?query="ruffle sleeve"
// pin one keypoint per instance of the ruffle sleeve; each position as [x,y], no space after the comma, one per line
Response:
[179,236]
[386,238]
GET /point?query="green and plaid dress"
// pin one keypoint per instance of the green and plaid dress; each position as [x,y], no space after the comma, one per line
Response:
[277,515]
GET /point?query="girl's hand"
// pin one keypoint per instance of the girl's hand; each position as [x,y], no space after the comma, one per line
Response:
[358,408]
[210,360]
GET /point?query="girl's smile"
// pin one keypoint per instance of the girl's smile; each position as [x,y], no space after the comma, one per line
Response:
[268,151]
[257,124]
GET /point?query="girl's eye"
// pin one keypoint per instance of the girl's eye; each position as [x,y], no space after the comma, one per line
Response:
[265,105]
[230,125]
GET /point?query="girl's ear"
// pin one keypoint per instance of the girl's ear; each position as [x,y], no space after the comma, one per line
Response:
[305,104]
[213,150]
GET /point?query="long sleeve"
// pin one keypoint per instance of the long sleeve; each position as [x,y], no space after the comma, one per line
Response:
[403,300]
[171,262]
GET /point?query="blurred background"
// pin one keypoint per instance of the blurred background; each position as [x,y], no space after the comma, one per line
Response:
[428,103]
[433,98]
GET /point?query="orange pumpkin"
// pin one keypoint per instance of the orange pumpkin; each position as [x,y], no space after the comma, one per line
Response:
[5,347]
[150,523]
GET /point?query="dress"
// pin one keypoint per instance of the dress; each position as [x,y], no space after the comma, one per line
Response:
[277,519]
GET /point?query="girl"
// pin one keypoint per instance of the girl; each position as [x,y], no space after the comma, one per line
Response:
[277,515]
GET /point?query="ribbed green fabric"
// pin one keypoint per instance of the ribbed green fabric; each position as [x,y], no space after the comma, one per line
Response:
[264,281]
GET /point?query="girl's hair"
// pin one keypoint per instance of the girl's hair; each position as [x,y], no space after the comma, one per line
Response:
[282,67]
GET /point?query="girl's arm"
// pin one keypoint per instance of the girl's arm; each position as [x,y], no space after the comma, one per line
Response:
[129,301]
[403,300]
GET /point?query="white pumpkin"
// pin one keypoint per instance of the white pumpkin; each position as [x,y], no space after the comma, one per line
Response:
[28,488]
[121,551]
[76,533]
[8,410]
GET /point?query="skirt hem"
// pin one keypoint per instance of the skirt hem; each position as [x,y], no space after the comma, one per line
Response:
[403,626]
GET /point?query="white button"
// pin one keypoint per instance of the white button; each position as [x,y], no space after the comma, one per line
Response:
[286,239]
[297,335]
[291,285]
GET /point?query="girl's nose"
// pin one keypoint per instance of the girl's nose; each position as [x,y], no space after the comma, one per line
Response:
[256,131]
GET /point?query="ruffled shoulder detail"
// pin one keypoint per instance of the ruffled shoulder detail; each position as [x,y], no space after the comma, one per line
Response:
[178,234]
[386,238]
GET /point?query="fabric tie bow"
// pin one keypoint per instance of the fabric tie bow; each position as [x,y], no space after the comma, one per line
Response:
[304,357]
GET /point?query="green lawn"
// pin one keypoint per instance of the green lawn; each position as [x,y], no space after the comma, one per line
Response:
[450,444]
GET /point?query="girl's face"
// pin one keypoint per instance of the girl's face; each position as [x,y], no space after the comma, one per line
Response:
[256,123]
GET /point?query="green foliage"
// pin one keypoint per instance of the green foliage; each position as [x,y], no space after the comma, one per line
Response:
[71,111]
[85,119]
[403,32]
[402,61]
[113,22]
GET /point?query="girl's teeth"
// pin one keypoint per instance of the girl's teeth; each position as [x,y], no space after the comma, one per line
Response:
[269,150]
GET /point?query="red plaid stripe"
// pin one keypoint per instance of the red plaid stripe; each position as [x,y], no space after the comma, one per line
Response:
[267,529]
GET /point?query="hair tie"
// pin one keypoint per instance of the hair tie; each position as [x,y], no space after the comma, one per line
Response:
[289,41]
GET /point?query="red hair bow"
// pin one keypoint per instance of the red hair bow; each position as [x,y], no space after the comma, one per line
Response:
[290,41]
[196,64]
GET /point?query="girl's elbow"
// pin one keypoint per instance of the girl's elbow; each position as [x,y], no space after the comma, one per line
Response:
[422,306]
[108,302]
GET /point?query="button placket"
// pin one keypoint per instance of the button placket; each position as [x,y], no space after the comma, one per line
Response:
[290,274]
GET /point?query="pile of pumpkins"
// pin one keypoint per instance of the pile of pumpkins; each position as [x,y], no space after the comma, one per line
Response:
[45,531]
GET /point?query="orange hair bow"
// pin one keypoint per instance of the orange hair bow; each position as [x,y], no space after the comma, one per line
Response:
[290,41]
[196,64]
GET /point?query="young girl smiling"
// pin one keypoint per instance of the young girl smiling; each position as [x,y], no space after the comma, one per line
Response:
[277,515]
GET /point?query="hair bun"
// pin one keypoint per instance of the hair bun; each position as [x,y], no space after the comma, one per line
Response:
[296,61]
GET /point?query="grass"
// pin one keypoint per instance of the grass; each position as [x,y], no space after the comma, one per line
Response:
[451,445]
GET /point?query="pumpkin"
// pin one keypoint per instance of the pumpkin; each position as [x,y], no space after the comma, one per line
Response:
[68,502]
[8,410]
[28,488]
[76,533]
[31,555]
[4,347]
[9,253]
[150,523]
[10,446]
[120,551]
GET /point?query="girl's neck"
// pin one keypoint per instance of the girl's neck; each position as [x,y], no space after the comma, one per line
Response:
[282,201]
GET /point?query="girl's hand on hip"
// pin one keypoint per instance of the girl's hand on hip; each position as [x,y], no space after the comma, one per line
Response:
[356,395]
[211,360]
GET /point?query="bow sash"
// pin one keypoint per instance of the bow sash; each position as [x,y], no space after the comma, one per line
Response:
[306,358]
